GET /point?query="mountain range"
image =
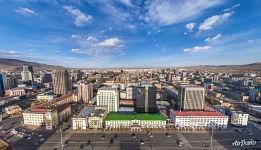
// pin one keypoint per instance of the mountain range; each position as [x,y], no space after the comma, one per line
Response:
[16,65]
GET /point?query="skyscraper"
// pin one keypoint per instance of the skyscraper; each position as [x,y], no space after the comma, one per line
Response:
[61,82]
[27,74]
[131,92]
[1,85]
[146,99]
[191,97]
[109,97]
[76,75]
[85,91]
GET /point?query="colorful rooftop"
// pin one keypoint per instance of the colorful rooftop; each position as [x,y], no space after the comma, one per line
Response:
[133,116]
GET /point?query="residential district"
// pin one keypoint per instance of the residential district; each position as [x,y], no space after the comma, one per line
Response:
[171,108]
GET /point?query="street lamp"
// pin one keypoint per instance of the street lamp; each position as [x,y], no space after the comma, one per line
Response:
[211,139]
[61,131]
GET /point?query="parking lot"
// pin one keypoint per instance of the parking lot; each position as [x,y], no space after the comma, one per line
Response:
[12,132]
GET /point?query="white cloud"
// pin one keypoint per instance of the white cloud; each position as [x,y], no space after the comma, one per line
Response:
[25,11]
[75,36]
[75,50]
[110,43]
[80,19]
[166,12]
[197,49]
[214,21]
[91,39]
[215,38]
[250,41]
[93,46]
[190,26]
[232,8]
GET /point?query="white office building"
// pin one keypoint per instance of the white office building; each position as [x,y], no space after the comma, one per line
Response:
[198,120]
[108,97]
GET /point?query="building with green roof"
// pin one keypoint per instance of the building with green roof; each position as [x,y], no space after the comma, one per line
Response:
[135,121]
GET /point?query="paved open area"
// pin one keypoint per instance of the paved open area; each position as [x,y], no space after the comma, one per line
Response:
[118,140]
[222,140]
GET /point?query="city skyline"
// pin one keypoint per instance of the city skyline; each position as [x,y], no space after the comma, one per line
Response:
[129,33]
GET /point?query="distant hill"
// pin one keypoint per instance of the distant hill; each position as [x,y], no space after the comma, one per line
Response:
[15,65]
[253,68]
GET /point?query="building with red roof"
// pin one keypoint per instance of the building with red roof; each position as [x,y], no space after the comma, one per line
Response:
[198,119]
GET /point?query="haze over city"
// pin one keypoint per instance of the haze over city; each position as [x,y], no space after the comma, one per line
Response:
[125,33]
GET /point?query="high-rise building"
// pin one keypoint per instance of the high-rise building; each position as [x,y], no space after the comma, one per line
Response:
[191,97]
[146,99]
[9,81]
[131,92]
[27,74]
[85,91]
[1,85]
[61,82]
[45,77]
[108,97]
[76,75]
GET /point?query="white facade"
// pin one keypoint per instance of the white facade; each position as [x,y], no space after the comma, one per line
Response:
[45,97]
[131,123]
[239,118]
[79,123]
[198,120]
[34,118]
[15,92]
[109,98]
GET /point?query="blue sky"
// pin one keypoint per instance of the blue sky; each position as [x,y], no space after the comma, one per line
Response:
[131,33]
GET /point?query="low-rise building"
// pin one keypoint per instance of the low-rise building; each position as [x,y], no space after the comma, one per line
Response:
[43,97]
[135,121]
[198,119]
[50,114]
[90,117]
[19,91]
[96,118]
[239,118]
[13,109]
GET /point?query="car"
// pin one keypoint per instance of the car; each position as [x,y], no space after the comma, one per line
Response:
[40,135]
[36,143]
[42,139]
[111,141]
[238,130]
[250,134]
[28,138]
[168,135]
[141,141]
[88,143]
[179,142]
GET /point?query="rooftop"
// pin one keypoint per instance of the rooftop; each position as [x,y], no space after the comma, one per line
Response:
[133,116]
[196,113]
[86,111]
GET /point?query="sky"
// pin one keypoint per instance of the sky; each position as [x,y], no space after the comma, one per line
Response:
[131,33]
